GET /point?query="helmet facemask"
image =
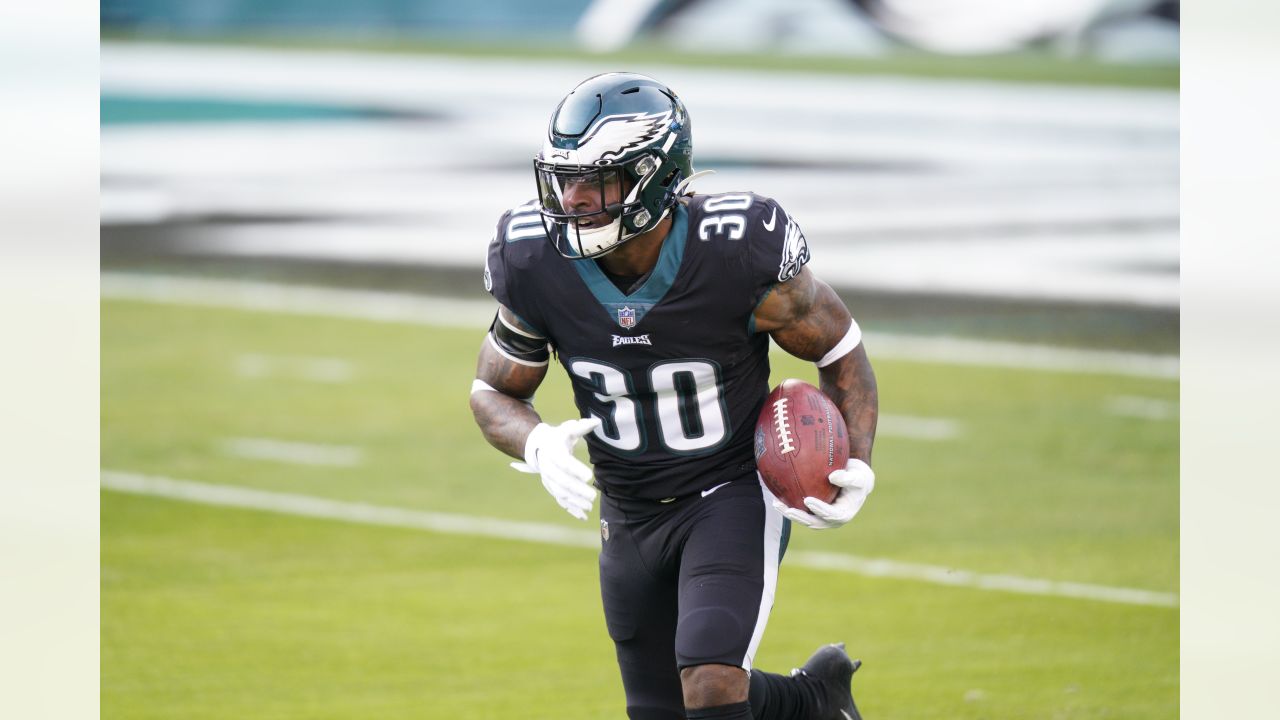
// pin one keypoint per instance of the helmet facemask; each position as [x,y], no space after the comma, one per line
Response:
[589,210]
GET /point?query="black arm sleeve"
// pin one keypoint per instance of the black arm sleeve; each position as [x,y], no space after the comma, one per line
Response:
[517,344]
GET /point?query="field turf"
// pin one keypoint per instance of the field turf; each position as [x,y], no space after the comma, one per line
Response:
[216,612]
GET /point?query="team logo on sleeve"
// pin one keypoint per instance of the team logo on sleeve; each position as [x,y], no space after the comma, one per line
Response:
[488,277]
[795,252]
[627,317]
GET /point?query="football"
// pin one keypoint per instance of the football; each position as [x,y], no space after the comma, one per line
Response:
[800,439]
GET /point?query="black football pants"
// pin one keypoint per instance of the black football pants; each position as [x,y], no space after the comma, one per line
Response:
[687,583]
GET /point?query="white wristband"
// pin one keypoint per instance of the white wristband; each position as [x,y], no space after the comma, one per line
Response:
[479,385]
[845,346]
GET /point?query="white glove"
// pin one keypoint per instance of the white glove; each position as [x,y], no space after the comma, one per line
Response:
[549,452]
[856,481]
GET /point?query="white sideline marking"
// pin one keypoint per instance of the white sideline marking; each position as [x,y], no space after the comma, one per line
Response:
[310,506]
[416,309]
[1142,407]
[381,306]
[917,428]
[374,305]
[293,452]
[316,369]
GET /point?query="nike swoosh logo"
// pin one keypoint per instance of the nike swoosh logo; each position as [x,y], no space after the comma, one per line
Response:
[846,715]
[772,220]
[708,492]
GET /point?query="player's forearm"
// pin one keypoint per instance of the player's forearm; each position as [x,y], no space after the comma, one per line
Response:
[851,384]
[504,420]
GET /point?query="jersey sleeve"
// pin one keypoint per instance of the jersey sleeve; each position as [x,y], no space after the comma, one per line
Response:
[504,262]
[777,249]
[495,268]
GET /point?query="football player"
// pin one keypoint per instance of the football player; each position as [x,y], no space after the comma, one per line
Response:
[659,304]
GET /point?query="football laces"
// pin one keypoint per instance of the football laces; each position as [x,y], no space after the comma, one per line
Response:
[782,426]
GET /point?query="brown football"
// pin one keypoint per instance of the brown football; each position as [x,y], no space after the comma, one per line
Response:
[800,439]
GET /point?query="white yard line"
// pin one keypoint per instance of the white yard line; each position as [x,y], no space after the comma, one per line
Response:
[381,306]
[917,428]
[315,369]
[293,452]
[940,575]
[309,506]
[1022,356]
[316,507]
[1145,408]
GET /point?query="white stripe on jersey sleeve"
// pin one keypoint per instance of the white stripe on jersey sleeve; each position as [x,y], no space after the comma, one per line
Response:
[517,330]
[509,356]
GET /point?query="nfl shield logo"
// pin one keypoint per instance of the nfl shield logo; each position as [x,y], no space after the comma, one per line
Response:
[604,530]
[626,317]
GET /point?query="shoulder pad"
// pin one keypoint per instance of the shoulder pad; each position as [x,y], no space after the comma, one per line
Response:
[747,205]
[518,246]
[773,245]
[520,240]
[521,223]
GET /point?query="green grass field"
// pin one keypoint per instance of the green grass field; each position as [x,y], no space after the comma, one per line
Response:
[210,612]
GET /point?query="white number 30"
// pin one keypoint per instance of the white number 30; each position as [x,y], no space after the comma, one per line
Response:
[690,409]
[735,223]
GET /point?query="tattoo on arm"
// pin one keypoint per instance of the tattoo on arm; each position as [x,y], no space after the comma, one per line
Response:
[506,416]
[851,384]
[807,319]
[811,317]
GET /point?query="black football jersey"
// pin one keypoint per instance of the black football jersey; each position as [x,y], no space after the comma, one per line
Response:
[675,369]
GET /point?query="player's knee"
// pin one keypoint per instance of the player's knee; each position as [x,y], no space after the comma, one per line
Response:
[710,635]
[711,685]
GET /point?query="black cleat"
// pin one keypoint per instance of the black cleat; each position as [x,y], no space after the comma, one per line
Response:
[833,669]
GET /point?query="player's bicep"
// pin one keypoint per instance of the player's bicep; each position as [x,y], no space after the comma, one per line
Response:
[804,316]
[513,357]
[507,376]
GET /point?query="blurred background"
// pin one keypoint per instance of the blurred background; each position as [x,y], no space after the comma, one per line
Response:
[379,140]
[296,198]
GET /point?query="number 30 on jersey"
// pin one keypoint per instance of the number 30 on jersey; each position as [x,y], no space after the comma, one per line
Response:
[725,222]
[690,410]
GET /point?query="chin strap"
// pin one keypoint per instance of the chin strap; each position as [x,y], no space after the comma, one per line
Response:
[685,182]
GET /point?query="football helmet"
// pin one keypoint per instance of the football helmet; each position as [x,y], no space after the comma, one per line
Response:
[618,149]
